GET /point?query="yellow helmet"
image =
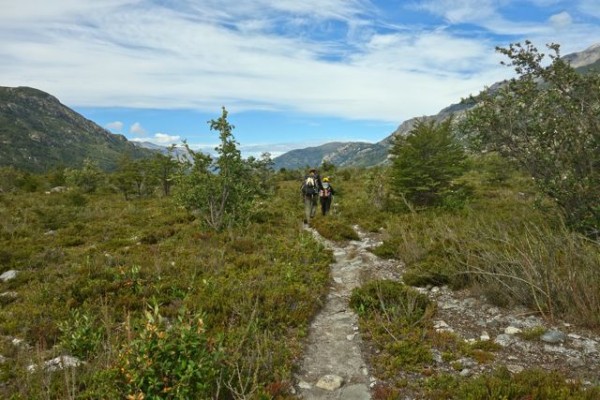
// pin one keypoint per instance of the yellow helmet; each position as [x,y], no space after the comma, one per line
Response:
[326,179]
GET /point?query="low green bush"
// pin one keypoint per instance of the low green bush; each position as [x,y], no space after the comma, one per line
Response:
[171,360]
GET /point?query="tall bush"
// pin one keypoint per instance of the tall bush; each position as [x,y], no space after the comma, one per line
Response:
[547,121]
[222,191]
[425,163]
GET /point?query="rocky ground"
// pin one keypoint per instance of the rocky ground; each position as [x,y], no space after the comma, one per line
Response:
[335,366]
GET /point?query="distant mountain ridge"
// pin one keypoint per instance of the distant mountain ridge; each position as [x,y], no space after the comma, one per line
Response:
[359,154]
[38,132]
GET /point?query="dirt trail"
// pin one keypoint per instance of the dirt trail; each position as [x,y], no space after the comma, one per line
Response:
[333,367]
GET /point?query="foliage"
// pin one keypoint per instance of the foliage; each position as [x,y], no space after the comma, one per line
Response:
[531,384]
[87,179]
[132,177]
[164,168]
[425,164]
[334,228]
[327,168]
[223,191]
[81,336]
[12,180]
[171,360]
[546,120]
[395,319]
[86,271]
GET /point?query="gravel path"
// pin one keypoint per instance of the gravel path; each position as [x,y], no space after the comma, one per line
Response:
[333,367]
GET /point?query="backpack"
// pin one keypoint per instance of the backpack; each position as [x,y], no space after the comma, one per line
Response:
[326,191]
[310,186]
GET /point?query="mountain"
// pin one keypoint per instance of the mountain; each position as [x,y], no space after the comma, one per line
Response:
[38,133]
[178,152]
[358,154]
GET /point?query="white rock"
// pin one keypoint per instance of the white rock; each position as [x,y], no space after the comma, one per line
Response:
[575,362]
[553,336]
[304,385]
[330,382]
[504,340]
[484,336]
[514,368]
[440,324]
[512,330]
[9,275]
[58,363]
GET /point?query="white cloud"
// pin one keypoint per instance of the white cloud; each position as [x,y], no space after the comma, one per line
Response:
[137,129]
[561,20]
[161,139]
[590,7]
[116,126]
[165,139]
[258,54]
[460,11]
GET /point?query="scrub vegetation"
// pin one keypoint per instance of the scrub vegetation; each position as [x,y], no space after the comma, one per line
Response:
[172,280]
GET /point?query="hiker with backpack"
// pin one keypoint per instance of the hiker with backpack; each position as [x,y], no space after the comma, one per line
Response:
[311,185]
[326,196]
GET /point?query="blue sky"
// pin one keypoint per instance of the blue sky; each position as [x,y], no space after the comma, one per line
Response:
[291,73]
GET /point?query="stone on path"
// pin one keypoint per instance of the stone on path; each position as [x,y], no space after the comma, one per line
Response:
[330,382]
[355,392]
[553,337]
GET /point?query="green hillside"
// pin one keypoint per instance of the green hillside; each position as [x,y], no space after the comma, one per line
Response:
[38,133]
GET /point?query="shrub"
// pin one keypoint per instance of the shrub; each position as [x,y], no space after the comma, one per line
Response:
[171,361]
[80,335]
[546,120]
[223,191]
[425,163]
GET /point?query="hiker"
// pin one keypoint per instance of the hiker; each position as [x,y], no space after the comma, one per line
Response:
[311,185]
[326,195]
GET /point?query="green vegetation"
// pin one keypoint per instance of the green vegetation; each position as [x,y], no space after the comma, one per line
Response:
[532,384]
[425,165]
[546,121]
[176,281]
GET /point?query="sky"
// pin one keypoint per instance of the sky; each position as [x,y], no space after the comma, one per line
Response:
[291,73]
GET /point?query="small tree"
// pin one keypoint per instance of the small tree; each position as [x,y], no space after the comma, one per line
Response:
[88,179]
[327,167]
[163,168]
[130,177]
[547,121]
[221,191]
[425,162]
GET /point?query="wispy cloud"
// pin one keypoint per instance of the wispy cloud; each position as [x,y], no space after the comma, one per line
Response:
[116,126]
[166,139]
[137,129]
[325,57]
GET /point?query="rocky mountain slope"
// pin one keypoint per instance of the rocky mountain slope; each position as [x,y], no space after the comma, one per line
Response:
[371,154]
[38,133]
[356,154]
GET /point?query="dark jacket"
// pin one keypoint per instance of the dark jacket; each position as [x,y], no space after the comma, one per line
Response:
[318,187]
